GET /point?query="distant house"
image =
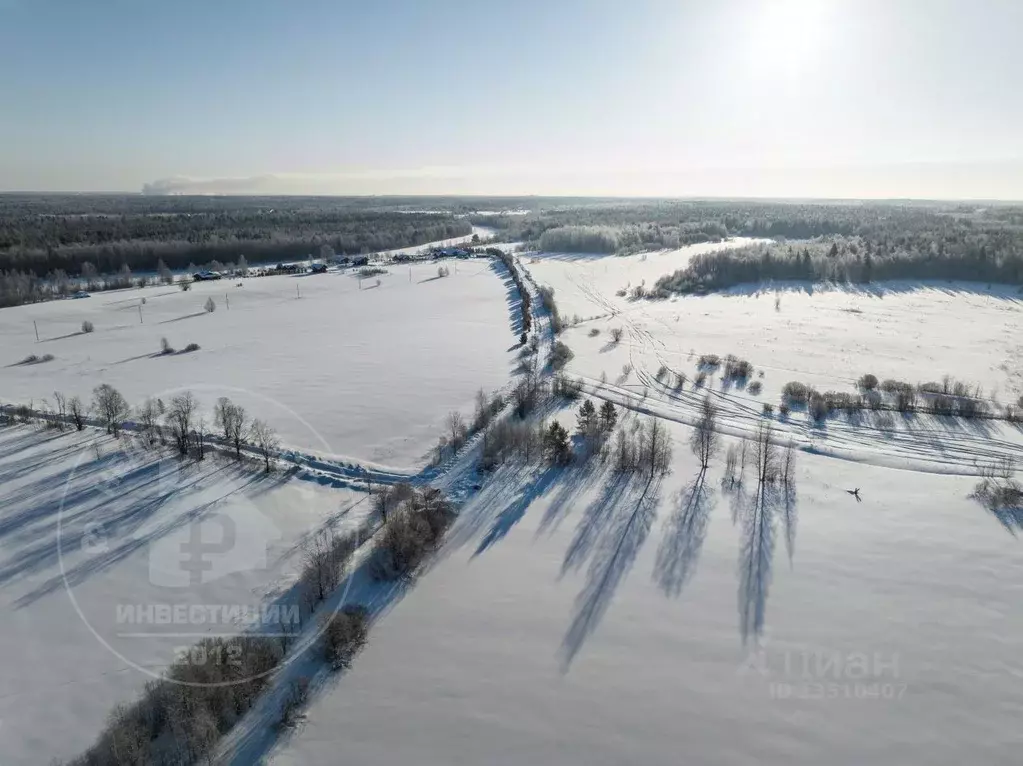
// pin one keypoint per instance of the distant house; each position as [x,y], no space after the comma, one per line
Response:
[318,268]
[360,260]
[205,276]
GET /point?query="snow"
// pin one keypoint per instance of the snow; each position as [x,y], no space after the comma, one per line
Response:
[363,374]
[824,336]
[80,515]
[571,617]
[574,619]
[560,639]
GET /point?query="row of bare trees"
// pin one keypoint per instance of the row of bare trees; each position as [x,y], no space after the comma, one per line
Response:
[182,419]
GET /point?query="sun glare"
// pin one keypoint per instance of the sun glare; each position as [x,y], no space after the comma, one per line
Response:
[790,34]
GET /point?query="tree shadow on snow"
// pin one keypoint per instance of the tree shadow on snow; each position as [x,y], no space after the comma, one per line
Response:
[758,512]
[186,316]
[512,296]
[683,537]
[122,512]
[610,535]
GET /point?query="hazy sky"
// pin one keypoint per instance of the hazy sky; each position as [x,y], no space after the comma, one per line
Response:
[704,97]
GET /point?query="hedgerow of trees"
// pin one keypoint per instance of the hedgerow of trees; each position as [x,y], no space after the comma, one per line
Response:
[56,245]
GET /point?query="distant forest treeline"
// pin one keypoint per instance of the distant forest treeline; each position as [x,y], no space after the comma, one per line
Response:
[855,242]
[46,239]
[628,226]
[183,231]
[953,253]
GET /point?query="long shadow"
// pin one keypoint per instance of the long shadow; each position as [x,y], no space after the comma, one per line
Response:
[877,289]
[129,522]
[573,483]
[512,296]
[612,557]
[757,511]
[475,518]
[186,316]
[134,358]
[514,512]
[1011,518]
[62,337]
[594,521]
[789,517]
[684,533]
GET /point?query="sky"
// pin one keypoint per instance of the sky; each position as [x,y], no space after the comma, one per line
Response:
[756,98]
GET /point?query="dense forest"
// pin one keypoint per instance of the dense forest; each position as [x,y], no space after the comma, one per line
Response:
[48,240]
[969,253]
[838,241]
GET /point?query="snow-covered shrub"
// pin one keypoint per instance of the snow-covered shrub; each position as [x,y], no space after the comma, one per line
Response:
[737,369]
[795,392]
[560,355]
[87,326]
[868,382]
[410,534]
[344,636]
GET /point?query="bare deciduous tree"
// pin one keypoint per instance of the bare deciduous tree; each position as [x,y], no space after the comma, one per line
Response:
[110,406]
[201,434]
[230,418]
[705,441]
[77,412]
[266,441]
[180,417]
[456,429]
[61,403]
[147,415]
[655,448]
[788,470]
[732,465]
[765,455]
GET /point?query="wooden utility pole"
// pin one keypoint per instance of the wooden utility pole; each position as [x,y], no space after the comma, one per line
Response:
[37,330]
[140,314]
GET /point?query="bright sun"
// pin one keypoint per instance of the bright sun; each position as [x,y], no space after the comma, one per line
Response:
[789,34]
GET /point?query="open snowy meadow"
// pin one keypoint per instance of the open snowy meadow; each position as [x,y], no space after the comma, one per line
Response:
[576,619]
[864,610]
[825,336]
[359,369]
[864,613]
[91,531]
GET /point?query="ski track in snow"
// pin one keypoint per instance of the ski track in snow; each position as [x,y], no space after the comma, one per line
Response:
[925,443]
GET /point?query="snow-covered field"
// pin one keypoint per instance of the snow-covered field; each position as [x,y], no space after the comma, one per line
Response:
[826,337]
[574,621]
[88,527]
[570,617]
[367,374]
